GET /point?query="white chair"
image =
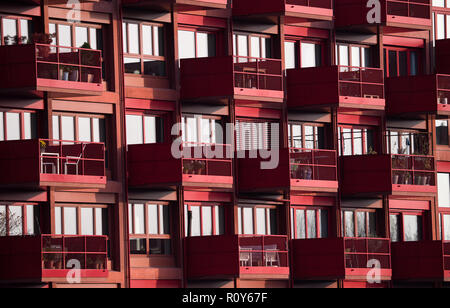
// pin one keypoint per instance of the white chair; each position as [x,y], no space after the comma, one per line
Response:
[73,161]
[245,258]
[272,258]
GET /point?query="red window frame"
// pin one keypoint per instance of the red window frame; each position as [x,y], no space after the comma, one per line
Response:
[315,140]
[22,121]
[255,218]
[350,59]
[17,18]
[207,30]
[371,129]
[78,208]
[441,11]
[442,212]
[187,208]
[408,53]
[165,116]
[249,44]
[266,141]
[24,216]
[422,214]
[318,219]
[355,221]
[298,50]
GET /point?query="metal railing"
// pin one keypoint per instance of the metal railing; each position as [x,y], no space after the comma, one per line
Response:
[68,63]
[409,8]
[207,159]
[359,251]
[258,73]
[309,164]
[362,82]
[71,157]
[413,170]
[443,89]
[58,250]
[263,251]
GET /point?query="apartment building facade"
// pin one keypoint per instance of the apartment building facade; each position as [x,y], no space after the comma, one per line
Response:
[351,98]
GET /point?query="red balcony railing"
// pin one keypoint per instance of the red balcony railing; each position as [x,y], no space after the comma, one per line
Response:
[409,8]
[200,164]
[90,251]
[324,4]
[263,251]
[361,82]
[342,258]
[258,73]
[71,157]
[443,88]
[413,170]
[316,165]
[69,64]
[225,256]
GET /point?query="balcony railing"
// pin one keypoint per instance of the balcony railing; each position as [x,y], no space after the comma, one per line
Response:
[258,73]
[200,164]
[359,251]
[409,8]
[325,4]
[443,89]
[263,251]
[361,82]
[68,63]
[316,165]
[90,251]
[413,170]
[71,157]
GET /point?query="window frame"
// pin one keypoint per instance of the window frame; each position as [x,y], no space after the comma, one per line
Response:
[408,50]
[349,55]
[23,205]
[21,113]
[298,41]
[315,141]
[199,132]
[164,116]
[265,141]
[402,214]
[373,129]
[255,219]
[78,208]
[249,44]
[318,219]
[204,30]
[400,133]
[201,205]
[19,27]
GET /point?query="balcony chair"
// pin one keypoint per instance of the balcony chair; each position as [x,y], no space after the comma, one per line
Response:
[272,258]
[73,161]
[245,258]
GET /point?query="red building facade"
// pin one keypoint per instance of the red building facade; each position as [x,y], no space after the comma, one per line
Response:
[353,101]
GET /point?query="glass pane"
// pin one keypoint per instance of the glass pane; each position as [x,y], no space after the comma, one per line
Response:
[13,126]
[261,221]
[93,37]
[395,228]
[81,34]
[255,45]
[323,223]
[58,220]
[139,219]
[138,246]
[239,220]
[2,220]
[207,220]
[206,131]
[362,225]
[150,129]
[64,35]
[242,42]
[309,55]
[134,129]
[87,221]
[372,227]
[442,132]
[30,219]
[412,228]
[99,221]
[9,30]
[2,127]
[443,185]
[158,41]
[446,221]
[349,224]
[164,219]
[343,55]
[357,142]
[192,130]
[311,219]
[300,224]
[347,141]
[414,63]
[289,53]
[160,247]
[202,45]
[15,220]
[132,66]
[153,219]
[440,26]
[29,125]
[403,63]
[219,220]
[25,29]
[68,128]
[186,44]
[70,221]
[125,36]
[195,221]
[309,137]
[84,129]
[248,220]
[147,40]
[55,120]
[133,38]
[356,56]
[393,63]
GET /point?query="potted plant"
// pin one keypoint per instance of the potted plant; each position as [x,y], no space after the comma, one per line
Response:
[294,170]
[64,72]
[442,99]
[408,179]
[45,39]
[15,40]
[395,179]
[198,167]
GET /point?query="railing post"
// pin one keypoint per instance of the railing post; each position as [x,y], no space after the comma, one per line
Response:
[313,164]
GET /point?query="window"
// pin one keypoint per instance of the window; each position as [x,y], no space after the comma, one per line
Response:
[443,184]
[401,62]
[444,225]
[79,127]
[353,55]
[256,135]
[257,220]
[204,219]
[308,222]
[81,220]
[407,142]
[144,129]
[15,30]
[354,140]
[359,223]
[17,125]
[150,228]
[252,45]
[202,129]
[406,226]
[144,49]
[302,54]
[306,136]
[19,219]
[196,44]
[442,132]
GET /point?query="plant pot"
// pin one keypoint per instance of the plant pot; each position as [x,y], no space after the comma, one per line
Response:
[64,75]
[417,180]
[443,100]
[90,78]
[395,179]
[73,75]
[423,180]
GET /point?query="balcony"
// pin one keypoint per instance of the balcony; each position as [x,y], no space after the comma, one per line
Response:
[412,95]
[154,165]
[396,15]
[340,258]
[313,170]
[46,257]
[178,5]
[389,174]
[293,10]
[424,260]
[40,162]
[239,256]
[242,78]
[443,56]
[335,86]
[34,68]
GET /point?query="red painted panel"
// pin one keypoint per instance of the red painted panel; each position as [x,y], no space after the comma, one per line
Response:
[443,166]
[358,120]
[313,200]
[202,20]
[154,283]
[409,204]
[246,112]
[144,104]
[403,41]
[306,32]
[207,196]
[443,56]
